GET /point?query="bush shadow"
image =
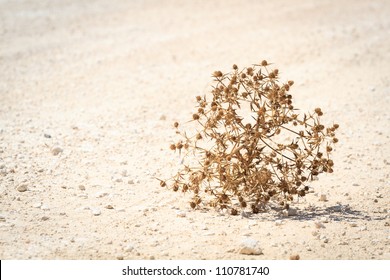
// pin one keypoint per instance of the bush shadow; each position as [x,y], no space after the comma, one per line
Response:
[338,212]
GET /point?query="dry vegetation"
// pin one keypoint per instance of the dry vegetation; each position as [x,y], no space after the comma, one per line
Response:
[251,145]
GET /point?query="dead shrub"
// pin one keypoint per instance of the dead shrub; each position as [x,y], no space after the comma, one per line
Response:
[251,146]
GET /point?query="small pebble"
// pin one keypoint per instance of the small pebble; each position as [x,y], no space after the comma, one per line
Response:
[278,222]
[294,257]
[319,225]
[56,150]
[45,207]
[250,247]
[130,182]
[22,188]
[82,187]
[109,206]
[37,205]
[128,248]
[324,220]
[353,224]
[181,214]
[101,194]
[47,135]
[117,179]
[323,197]
[120,257]
[96,211]
[44,218]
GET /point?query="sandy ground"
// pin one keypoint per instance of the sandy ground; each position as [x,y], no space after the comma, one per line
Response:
[101,84]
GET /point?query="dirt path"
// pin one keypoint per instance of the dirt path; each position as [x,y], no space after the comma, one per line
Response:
[88,95]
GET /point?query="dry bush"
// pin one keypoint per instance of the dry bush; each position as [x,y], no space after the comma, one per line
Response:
[251,146]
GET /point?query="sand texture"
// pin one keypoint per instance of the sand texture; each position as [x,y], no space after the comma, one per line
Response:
[89,91]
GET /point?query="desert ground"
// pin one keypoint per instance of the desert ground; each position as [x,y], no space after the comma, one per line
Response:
[89,91]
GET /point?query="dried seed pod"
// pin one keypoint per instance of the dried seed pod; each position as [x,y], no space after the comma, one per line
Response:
[318,111]
[217,74]
[179,145]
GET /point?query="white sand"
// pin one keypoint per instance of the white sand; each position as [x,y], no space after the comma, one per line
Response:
[97,78]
